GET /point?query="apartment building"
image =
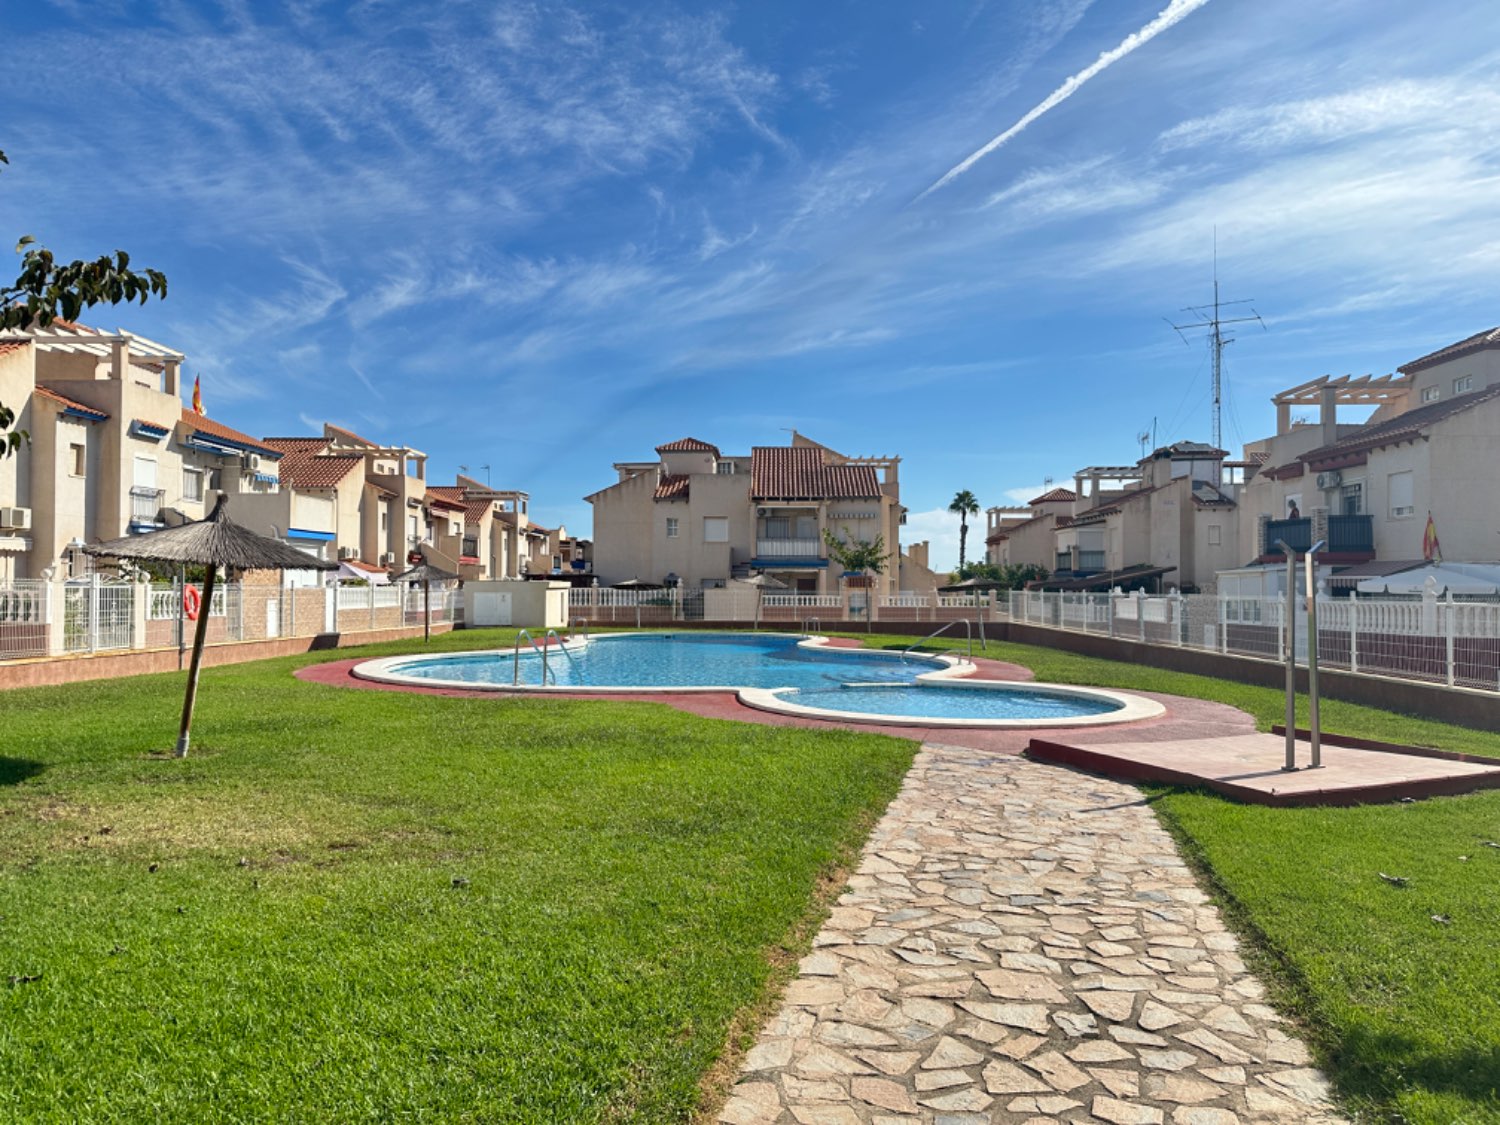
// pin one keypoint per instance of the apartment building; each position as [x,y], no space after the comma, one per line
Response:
[699,516]
[1027,536]
[486,541]
[1366,490]
[113,451]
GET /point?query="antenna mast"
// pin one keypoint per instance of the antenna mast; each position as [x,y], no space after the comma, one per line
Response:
[1212,318]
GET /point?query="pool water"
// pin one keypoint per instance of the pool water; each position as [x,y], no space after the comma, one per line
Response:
[681,660]
[1003,704]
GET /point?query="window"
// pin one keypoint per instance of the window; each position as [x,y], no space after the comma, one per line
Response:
[192,484]
[79,458]
[671,527]
[714,583]
[1352,498]
[1215,535]
[778,527]
[716,529]
[1430,394]
[1403,504]
[724,468]
[385,519]
[1463,384]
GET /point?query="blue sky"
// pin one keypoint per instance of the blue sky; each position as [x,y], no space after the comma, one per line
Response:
[546,238]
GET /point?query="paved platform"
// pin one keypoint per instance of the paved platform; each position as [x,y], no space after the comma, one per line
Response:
[1248,766]
[1022,943]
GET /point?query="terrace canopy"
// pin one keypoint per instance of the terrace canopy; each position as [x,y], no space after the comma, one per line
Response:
[1471,580]
[215,543]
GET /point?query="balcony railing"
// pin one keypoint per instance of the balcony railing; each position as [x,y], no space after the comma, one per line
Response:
[145,504]
[1296,534]
[1354,534]
[788,548]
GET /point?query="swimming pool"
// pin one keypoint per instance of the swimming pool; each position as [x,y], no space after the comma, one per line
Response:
[791,674]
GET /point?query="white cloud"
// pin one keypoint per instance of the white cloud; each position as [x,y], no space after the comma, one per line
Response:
[940,528]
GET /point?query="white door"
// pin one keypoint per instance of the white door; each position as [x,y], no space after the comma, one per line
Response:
[273,617]
[492,609]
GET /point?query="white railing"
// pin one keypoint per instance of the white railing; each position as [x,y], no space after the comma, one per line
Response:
[904,601]
[788,548]
[1440,640]
[25,618]
[802,601]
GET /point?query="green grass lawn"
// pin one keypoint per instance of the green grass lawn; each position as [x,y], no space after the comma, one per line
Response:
[354,905]
[630,883]
[1405,1011]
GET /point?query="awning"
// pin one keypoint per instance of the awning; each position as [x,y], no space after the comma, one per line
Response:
[1350,577]
[304,533]
[1106,580]
[1474,580]
[789,563]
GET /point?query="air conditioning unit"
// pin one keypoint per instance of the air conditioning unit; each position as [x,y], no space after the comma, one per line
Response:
[1330,479]
[388,559]
[762,511]
[251,462]
[348,553]
[15,519]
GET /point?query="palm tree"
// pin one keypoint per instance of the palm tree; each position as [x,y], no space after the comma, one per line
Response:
[965,504]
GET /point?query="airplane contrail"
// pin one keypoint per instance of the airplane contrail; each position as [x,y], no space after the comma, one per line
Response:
[1173,13]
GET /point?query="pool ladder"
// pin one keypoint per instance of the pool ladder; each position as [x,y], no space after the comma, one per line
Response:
[541,649]
[968,629]
[811,625]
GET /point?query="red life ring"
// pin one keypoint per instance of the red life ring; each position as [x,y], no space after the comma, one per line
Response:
[191,601]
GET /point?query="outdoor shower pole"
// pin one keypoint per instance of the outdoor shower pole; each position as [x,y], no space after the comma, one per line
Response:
[1290,632]
[1313,730]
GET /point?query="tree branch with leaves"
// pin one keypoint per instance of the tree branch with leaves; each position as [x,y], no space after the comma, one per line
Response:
[47,290]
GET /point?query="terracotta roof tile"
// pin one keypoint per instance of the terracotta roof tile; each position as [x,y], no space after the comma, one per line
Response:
[1403,427]
[206,425]
[350,435]
[305,465]
[671,487]
[779,472]
[688,445]
[12,345]
[1056,496]
[474,509]
[71,404]
[1489,338]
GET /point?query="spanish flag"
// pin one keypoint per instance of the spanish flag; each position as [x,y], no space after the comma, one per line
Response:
[1431,550]
[197,395]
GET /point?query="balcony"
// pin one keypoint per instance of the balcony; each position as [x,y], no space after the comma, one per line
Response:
[1351,534]
[1296,534]
[1347,535]
[145,506]
[788,548]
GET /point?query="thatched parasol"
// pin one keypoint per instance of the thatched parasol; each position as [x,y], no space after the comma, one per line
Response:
[216,542]
[636,584]
[763,582]
[426,574]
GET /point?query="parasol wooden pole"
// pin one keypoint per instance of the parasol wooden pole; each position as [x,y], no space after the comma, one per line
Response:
[199,636]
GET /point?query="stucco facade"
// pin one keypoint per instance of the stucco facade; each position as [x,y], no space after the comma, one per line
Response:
[703,517]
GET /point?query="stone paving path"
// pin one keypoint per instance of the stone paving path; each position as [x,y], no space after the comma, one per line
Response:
[1022,943]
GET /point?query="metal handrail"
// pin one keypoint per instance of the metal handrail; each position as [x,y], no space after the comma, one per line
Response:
[811,623]
[954,652]
[968,628]
[516,658]
[573,630]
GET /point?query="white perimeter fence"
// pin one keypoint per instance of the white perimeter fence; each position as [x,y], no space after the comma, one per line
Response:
[605,606]
[41,619]
[1439,640]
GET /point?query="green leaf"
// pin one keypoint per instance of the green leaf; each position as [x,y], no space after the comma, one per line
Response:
[26,240]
